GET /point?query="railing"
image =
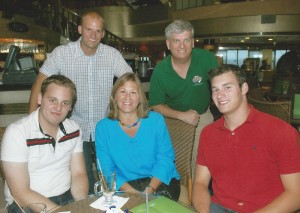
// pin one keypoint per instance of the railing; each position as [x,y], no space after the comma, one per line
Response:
[65,22]
[186,4]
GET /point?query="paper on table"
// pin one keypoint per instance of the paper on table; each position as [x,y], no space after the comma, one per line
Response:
[100,203]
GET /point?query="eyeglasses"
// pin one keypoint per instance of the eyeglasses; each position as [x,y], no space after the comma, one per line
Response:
[178,42]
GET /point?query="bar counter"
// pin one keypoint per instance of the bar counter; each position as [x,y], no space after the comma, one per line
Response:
[13,102]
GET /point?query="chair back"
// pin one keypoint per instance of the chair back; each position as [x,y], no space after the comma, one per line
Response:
[295,105]
[279,109]
[182,136]
[2,130]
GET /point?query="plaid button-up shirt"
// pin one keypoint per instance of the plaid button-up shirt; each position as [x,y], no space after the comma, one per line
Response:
[93,77]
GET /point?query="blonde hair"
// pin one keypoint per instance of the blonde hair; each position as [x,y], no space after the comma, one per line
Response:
[143,107]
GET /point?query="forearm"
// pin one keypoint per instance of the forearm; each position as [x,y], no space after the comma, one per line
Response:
[33,197]
[35,90]
[79,186]
[201,199]
[286,202]
[153,185]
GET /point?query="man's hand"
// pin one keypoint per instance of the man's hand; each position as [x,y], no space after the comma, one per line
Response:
[190,117]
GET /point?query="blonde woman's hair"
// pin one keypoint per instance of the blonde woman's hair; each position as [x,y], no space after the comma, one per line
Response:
[143,107]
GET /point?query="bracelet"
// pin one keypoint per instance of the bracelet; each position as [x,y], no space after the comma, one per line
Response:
[153,189]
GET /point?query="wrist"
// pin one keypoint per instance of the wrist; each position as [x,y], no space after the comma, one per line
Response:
[152,188]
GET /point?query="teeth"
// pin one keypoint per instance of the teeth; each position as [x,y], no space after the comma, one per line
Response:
[223,102]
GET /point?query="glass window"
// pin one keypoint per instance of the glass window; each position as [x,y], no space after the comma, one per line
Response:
[278,54]
[242,54]
[223,55]
[232,57]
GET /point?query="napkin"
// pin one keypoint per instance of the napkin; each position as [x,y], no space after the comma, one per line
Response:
[100,203]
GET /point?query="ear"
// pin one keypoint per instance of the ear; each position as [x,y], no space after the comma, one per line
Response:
[245,88]
[103,34]
[40,98]
[193,43]
[79,29]
[168,44]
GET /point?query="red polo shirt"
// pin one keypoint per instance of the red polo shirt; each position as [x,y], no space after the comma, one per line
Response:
[246,163]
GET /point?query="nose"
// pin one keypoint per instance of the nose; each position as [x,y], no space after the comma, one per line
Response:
[58,106]
[181,44]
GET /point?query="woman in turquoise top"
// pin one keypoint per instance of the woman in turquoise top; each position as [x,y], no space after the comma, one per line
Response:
[135,143]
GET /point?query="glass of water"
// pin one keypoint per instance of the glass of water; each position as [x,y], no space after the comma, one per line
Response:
[106,187]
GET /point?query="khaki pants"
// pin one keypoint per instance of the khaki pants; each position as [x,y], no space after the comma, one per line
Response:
[205,119]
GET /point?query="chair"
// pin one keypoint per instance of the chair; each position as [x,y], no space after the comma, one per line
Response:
[182,136]
[295,106]
[279,109]
[2,200]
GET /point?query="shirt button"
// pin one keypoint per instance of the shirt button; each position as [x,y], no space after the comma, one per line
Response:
[232,133]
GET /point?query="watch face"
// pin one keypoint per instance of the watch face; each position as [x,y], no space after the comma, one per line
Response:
[18,27]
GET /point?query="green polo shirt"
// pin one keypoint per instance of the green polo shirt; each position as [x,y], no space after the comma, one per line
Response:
[167,87]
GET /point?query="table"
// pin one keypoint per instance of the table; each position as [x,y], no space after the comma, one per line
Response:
[83,205]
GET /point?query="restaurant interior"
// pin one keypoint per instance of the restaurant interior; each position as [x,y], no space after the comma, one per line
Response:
[260,36]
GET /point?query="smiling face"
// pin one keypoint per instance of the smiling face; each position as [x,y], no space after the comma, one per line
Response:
[180,45]
[127,98]
[55,105]
[227,94]
[92,32]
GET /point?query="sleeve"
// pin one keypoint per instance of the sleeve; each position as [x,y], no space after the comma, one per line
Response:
[52,64]
[12,138]
[287,149]
[79,144]
[156,90]
[164,167]
[120,65]
[200,156]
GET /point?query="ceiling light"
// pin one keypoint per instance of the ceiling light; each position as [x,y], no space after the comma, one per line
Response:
[270,39]
[242,41]
[247,38]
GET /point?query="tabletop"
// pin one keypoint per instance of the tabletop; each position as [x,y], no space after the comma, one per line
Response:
[83,205]
[135,199]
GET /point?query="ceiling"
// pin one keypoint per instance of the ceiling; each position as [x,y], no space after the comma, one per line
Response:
[239,40]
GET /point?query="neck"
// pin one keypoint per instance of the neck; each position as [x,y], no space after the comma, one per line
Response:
[87,51]
[181,61]
[236,119]
[129,125]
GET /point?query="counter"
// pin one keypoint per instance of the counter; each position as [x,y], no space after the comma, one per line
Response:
[13,102]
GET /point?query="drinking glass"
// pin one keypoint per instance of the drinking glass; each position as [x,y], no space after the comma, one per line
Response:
[107,186]
[36,208]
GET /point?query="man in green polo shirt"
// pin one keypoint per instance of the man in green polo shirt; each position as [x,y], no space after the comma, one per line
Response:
[179,86]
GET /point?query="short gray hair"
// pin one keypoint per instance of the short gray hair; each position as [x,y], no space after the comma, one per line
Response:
[177,27]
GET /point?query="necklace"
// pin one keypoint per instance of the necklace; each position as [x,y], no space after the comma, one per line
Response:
[128,125]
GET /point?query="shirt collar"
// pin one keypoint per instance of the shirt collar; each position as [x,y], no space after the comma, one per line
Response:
[250,119]
[38,127]
[79,51]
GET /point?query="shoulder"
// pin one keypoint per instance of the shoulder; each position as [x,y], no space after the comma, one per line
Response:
[163,67]
[155,116]
[23,126]
[105,49]
[202,53]
[104,122]
[165,62]
[71,125]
